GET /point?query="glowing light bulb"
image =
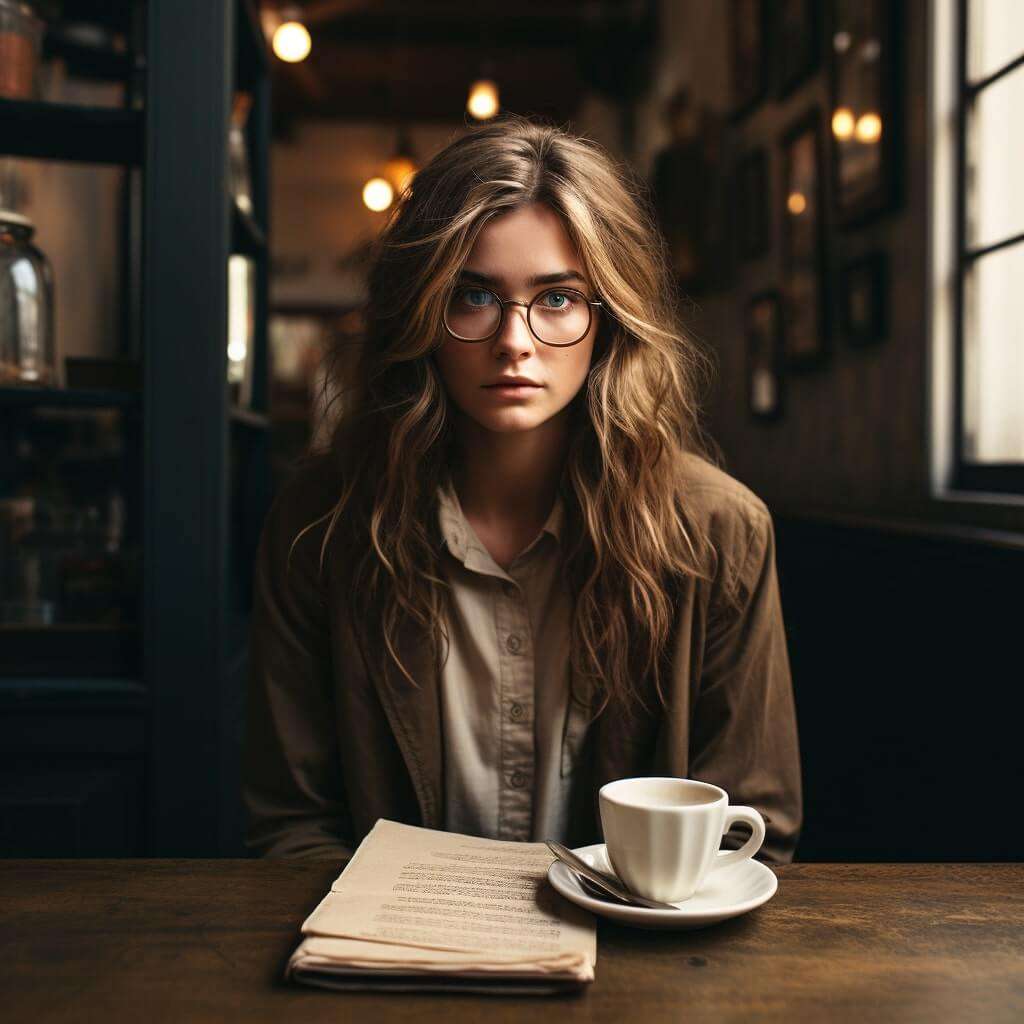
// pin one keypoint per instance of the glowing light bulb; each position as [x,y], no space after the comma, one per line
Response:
[796,203]
[869,128]
[483,99]
[378,194]
[842,123]
[292,42]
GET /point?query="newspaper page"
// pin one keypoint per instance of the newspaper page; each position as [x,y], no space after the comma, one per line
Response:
[417,908]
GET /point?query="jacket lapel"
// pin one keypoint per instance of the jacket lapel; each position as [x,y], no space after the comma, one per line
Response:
[415,717]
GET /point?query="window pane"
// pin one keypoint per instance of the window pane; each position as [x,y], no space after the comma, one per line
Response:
[995,36]
[995,156]
[994,358]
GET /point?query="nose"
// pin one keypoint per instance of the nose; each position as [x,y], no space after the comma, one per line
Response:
[515,332]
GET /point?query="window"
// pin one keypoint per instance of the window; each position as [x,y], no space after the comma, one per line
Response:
[988,260]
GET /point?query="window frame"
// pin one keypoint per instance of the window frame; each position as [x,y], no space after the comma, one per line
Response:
[1005,477]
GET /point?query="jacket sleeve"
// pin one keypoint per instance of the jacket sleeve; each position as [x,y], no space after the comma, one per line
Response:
[293,789]
[743,730]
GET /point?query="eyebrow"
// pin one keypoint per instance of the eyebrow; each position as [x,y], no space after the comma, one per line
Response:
[556,278]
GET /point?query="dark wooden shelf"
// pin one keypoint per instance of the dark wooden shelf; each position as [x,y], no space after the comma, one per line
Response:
[96,63]
[67,398]
[66,650]
[54,131]
[77,700]
[21,689]
[247,237]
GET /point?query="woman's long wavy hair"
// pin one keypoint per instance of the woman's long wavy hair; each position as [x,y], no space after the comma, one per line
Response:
[628,538]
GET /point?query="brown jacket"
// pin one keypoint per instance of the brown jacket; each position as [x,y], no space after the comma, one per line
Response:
[330,748]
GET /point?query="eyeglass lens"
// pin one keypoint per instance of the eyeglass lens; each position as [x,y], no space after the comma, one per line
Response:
[559,316]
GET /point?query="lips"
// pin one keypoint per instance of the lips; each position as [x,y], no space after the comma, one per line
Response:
[512,384]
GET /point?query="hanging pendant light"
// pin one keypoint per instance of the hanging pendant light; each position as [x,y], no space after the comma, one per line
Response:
[483,102]
[291,40]
[378,194]
[401,168]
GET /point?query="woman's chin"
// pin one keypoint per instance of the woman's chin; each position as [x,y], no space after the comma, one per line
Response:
[511,423]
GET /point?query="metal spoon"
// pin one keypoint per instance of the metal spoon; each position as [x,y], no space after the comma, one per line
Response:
[603,881]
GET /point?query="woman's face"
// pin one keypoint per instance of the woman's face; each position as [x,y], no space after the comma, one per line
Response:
[511,254]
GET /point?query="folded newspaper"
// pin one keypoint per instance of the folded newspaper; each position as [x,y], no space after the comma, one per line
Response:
[418,909]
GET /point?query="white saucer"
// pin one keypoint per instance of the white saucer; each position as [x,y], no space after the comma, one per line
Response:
[726,892]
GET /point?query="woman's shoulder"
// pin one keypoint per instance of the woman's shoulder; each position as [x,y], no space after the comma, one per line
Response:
[715,492]
[313,484]
[303,501]
[728,512]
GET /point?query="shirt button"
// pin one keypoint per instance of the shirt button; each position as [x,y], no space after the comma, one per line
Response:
[516,712]
[517,779]
[513,643]
[509,589]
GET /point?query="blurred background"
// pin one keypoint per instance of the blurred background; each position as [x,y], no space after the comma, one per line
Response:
[188,194]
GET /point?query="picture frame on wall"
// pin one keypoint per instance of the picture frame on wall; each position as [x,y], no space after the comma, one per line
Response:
[803,284]
[797,35]
[753,205]
[867,124]
[864,299]
[765,355]
[748,38]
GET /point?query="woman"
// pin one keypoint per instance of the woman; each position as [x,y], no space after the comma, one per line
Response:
[482,603]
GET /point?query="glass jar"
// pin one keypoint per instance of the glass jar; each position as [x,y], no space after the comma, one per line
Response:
[20,35]
[26,306]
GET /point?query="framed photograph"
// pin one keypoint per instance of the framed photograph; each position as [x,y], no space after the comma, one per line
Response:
[764,336]
[804,299]
[680,184]
[753,205]
[797,35]
[864,299]
[748,24]
[867,130]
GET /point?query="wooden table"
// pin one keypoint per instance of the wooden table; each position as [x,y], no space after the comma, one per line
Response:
[207,940]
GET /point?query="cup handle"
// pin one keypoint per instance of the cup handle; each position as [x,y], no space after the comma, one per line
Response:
[752,845]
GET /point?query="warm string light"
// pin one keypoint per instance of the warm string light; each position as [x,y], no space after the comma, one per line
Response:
[869,127]
[796,203]
[865,128]
[842,123]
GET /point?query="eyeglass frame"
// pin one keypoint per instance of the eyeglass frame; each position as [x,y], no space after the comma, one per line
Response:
[519,302]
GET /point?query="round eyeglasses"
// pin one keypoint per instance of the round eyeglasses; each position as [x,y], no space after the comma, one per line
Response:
[557,316]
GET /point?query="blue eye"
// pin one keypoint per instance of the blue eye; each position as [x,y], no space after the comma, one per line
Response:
[562,300]
[476,297]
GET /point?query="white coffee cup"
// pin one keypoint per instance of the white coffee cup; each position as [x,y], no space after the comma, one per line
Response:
[663,834]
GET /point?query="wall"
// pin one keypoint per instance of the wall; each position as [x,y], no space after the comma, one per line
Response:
[855,434]
[318,219]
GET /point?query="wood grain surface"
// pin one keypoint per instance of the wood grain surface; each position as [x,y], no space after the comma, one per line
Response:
[207,940]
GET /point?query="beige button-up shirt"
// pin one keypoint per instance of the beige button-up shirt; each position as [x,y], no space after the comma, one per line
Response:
[508,733]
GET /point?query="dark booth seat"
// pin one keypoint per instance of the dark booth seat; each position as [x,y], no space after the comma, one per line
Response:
[906,651]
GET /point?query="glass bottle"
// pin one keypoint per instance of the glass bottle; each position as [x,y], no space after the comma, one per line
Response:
[26,306]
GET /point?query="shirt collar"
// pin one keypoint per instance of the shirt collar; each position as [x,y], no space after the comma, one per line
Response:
[459,535]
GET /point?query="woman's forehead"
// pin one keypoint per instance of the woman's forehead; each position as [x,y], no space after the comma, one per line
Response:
[524,243]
